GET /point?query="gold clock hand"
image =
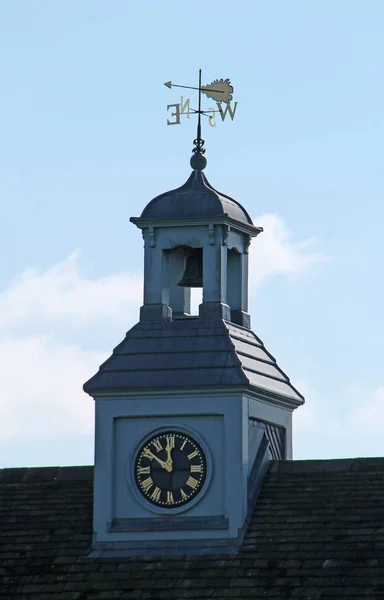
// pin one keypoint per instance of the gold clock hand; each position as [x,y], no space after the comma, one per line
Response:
[169,461]
[163,464]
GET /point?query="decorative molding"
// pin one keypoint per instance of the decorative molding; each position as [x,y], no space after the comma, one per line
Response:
[270,399]
[211,234]
[151,237]
[146,548]
[226,230]
[168,524]
[247,243]
[223,220]
[148,234]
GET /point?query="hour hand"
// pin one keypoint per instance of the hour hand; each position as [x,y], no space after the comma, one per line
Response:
[169,461]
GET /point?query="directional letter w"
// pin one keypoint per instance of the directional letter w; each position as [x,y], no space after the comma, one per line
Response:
[228,109]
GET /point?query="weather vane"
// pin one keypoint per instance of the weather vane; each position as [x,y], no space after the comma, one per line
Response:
[220,91]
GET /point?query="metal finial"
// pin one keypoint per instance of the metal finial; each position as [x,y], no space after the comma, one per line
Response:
[198,161]
[198,143]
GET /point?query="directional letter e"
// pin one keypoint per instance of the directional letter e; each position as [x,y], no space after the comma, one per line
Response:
[175,114]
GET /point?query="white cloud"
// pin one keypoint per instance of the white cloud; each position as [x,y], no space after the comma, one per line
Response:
[61,292]
[337,426]
[41,388]
[275,252]
[41,375]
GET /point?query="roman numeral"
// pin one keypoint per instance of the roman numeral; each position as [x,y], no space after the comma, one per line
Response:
[193,454]
[147,484]
[170,499]
[171,441]
[183,445]
[156,494]
[183,494]
[144,470]
[147,453]
[157,445]
[192,482]
[196,468]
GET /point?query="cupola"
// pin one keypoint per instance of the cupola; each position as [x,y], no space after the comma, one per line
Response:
[196,219]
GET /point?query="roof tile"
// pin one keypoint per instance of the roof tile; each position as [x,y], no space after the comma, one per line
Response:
[316,532]
[189,353]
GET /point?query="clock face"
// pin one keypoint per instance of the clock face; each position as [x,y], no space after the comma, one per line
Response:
[170,469]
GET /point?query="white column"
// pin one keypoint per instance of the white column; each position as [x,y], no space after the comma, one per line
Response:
[214,304]
[156,290]
[215,271]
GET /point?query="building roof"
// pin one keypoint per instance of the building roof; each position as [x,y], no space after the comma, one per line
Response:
[197,198]
[317,533]
[192,353]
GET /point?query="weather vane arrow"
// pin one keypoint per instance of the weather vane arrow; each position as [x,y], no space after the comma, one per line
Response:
[220,91]
[205,88]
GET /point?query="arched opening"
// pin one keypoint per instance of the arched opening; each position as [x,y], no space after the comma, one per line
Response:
[234,279]
[185,280]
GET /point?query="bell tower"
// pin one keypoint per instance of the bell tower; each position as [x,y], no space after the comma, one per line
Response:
[189,408]
[196,236]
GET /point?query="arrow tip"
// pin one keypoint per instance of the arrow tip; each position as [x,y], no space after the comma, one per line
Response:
[168,84]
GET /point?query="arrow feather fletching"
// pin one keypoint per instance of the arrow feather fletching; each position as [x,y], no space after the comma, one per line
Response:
[219,90]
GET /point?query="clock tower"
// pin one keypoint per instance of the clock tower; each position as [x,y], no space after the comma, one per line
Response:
[189,408]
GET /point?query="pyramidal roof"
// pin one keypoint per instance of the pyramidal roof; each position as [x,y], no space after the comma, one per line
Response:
[191,353]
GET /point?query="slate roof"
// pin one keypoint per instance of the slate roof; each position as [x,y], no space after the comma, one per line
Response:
[197,198]
[317,533]
[192,353]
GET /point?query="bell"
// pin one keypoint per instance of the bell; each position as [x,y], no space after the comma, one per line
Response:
[193,271]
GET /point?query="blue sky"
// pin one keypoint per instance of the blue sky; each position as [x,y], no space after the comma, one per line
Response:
[84,145]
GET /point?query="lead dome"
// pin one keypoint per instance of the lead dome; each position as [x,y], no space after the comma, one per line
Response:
[197,198]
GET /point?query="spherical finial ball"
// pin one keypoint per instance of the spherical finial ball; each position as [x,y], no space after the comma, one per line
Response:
[198,161]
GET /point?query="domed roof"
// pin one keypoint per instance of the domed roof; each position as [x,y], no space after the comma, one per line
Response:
[195,199]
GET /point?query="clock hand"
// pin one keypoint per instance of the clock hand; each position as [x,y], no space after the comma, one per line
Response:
[169,461]
[165,465]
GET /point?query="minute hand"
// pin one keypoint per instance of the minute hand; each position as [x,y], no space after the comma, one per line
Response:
[161,462]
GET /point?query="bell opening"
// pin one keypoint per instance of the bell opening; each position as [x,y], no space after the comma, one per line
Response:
[193,269]
[196,300]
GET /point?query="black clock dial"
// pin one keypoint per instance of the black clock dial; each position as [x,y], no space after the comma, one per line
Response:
[170,469]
